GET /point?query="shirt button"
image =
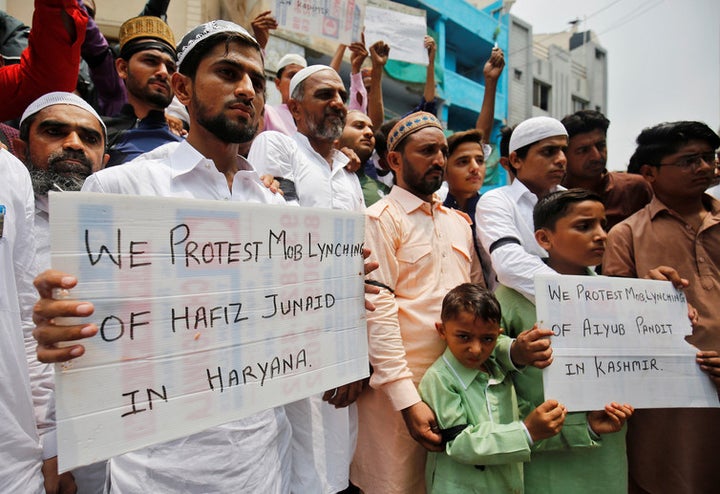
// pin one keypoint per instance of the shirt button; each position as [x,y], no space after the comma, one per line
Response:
[701,259]
[207,165]
[688,227]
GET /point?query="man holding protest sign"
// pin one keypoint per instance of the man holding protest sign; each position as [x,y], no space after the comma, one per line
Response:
[674,450]
[220,80]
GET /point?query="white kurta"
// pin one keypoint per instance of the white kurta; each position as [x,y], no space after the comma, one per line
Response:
[316,182]
[21,454]
[324,437]
[248,455]
[507,213]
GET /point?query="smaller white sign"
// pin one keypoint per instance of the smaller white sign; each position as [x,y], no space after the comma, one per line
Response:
[619,340]
[402,28]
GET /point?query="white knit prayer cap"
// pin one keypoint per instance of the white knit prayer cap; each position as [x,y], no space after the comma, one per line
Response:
[60,98]
[304,74]
[533,130]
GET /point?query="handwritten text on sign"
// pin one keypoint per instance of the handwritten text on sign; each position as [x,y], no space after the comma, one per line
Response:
[207,312]
[621,340]
[339,21]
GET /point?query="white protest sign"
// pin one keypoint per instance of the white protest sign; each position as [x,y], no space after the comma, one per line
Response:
[208,311]
[403,28]
[336,20]
[621,340]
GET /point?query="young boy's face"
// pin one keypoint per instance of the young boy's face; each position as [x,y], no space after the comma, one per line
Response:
[470,339]
[465,170]
[578,239]
[544,166]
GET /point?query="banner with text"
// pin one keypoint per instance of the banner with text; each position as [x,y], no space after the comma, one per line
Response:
[621,340]
[208,311]
[340,21]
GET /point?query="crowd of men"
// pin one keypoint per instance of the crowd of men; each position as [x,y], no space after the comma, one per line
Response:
[189,119]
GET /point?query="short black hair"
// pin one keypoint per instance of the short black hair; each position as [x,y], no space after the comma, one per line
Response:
[381,136]
[556,205]
[505,134]
[472,135]
[474,299]
[190,64]
[583,121]
[654,143]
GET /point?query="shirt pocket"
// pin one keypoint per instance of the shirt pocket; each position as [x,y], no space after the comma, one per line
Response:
[459,262]
[415,264]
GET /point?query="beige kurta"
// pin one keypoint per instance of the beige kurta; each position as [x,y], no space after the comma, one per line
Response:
[424,250]
[674,450]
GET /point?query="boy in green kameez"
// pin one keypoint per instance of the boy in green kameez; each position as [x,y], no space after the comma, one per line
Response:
[589,455]
[475,405]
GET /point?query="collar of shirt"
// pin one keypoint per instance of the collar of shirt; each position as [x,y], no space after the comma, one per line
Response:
[451,202]
[517,190]
[185,158]
[409,202]
[42,204]
[656,206]
[339,160]
[466,376]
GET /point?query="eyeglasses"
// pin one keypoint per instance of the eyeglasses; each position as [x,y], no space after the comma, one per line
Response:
[694,161]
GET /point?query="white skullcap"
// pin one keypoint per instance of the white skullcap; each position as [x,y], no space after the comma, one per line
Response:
[60,98]
[204,31]
[289,59]
[533,130]
[304,74]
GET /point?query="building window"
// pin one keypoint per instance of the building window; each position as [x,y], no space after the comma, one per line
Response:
[518,74]
[541,95]
[579,104]
[599,55]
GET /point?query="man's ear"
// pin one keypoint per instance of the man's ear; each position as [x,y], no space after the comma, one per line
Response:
[649,172]
[21,148]
[121,65]
[106,158]
[544,238]
[394,160]
[294,107]
[515,160]
[182,87]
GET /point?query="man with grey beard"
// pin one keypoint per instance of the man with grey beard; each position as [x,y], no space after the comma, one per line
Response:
[62,141]
[310,170]
[313,173]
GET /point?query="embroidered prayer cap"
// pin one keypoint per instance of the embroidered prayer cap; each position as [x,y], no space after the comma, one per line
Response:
[204,31]
[144,33]
[304,74]
[409,125]
[60,98]
[533,130]
[290,59]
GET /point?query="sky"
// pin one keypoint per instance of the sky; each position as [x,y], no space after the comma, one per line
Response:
[663,60]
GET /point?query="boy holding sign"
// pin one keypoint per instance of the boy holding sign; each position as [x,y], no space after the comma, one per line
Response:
[569,226]
[473,397]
